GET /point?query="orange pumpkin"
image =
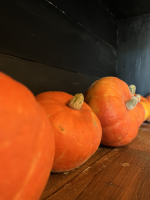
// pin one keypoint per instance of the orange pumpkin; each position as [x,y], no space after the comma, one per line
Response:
[148,97]
[146,104]
[109,98]
[148,109]
[26,143]
[76,128]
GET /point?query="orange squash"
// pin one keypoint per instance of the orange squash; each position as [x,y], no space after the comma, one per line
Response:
[148,97]
[119,112]
[26,143]
[76,128]
[148,108]
[146,104]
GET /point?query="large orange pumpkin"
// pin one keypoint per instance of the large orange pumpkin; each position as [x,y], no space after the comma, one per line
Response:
[108,97]
[26,143]
[76,128]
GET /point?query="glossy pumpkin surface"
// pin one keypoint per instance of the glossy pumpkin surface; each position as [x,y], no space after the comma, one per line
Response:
[107,97]
[26,143]
[77,132]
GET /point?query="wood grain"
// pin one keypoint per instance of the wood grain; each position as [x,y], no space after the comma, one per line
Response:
[142,141]
[110,174]
[57,181]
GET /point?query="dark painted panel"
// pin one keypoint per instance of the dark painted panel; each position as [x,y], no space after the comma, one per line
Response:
[92,15]
[127,8]
[36,30]
[133,65]
[40,77]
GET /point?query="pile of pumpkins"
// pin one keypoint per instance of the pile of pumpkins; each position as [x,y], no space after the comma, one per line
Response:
[55,131]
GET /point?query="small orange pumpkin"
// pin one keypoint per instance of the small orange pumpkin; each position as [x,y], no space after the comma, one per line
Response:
[148,109]
[146,104]
[76,128]
[148,97]
[26,143]
[119,112]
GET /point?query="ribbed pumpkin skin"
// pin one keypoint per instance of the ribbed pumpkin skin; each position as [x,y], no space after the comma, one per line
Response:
[77,132]
[107,97]
[26,143]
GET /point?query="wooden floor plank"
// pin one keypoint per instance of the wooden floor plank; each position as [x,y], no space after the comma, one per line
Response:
[110,174]
[76,186]
[142,141]
[120,173]
[56,181]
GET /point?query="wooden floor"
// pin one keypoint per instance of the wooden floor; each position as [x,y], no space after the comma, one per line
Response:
[110,174]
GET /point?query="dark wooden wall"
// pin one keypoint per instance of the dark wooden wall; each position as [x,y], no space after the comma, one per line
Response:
[61,38]
[133,65]
[127,8]
[93,16]
[39,77]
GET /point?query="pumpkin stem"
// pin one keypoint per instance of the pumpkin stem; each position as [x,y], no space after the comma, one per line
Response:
[138,96]
[130,104]
[76,102]
[132,89]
